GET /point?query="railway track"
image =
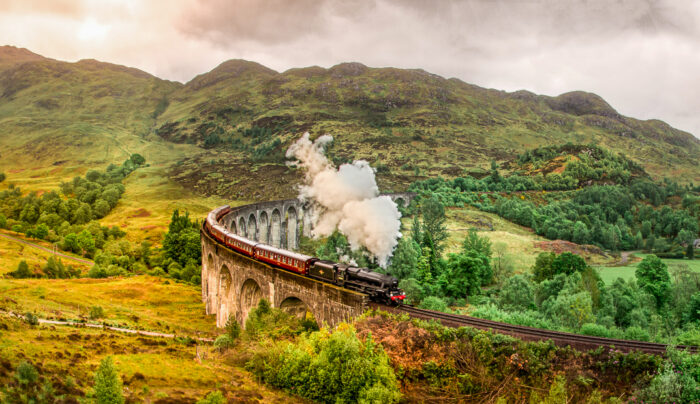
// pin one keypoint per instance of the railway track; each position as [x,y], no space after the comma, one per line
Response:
[577,341]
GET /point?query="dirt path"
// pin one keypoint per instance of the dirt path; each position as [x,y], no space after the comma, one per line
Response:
[48,250]
[107,327]
[625,257]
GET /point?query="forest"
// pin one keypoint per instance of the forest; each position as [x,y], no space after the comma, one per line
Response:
[632,212]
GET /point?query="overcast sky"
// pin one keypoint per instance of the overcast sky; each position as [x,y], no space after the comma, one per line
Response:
[642,56]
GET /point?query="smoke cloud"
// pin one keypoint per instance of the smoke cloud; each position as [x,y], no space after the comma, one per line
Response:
[347,199]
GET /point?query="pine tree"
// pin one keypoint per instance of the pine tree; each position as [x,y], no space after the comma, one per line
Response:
[434,223]
[423,267]
[108,384]
[22,271]
[650,242]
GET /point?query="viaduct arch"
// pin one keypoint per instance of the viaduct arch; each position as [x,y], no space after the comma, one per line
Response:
[233,284]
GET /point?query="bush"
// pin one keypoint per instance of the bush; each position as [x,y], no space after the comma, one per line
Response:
[637,334]
[96,312]
[233,329]
[26,374]
[97,272]
[223,342]
[335,367]
[22,271]
[264,321]
[434,303]
[517,293]
[595,330]
[215,397]
[108,384]
[31,319]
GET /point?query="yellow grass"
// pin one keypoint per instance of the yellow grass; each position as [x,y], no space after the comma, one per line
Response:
[11,253]
[150,368]
[146,302]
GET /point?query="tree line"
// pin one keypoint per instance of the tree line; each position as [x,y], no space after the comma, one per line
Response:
[559,292]
[636,213]
[69,218]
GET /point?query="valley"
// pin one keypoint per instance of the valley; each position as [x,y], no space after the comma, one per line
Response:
[526,205]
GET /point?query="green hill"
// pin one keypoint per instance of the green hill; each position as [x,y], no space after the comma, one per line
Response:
[221,132]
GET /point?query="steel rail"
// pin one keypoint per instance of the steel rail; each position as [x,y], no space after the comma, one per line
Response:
[560,338]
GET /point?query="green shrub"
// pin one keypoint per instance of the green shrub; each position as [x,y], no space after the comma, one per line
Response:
[31,319]
[96,312]
[637,334]
[434,303]
[332,368]
[691,336]
[26,374]
[264,321]
[595,330]
[223,342]
[97,271]
[233,329]
[108,384]
[215,397]
[22,271]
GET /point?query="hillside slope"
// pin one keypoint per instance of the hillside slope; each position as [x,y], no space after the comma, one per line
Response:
[221,132]
[409,122]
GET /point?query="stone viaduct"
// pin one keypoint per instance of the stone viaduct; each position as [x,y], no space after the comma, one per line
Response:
[232,284]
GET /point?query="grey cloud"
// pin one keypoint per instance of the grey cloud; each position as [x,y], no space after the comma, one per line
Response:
[224,21]
[642,56]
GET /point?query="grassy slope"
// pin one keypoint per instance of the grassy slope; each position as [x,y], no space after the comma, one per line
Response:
[58,119]
[626,272]
[11,253]
[406,119]
[151,368]
[140,301]
[518,242]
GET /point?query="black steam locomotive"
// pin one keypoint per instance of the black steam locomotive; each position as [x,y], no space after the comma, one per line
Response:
[379,287]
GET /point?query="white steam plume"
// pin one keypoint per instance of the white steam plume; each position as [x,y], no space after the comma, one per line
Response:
[347,199]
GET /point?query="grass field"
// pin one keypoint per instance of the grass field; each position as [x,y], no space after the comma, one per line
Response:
[610,273]
[151,369]
[517,242]
[11,253]
[145,209]
[145,302]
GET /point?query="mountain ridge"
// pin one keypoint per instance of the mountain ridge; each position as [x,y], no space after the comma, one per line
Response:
[242,115]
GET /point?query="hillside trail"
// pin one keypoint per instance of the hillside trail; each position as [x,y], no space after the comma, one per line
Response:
[106,327]
[48,250]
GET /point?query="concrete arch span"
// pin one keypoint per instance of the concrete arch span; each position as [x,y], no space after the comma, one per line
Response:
[241,227]
[298,308]
[292,228]
[252,228]
[224,295]
[276,228]
[249,298]
[264,228]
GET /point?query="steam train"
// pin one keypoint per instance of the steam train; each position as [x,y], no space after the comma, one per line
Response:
[379,287]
